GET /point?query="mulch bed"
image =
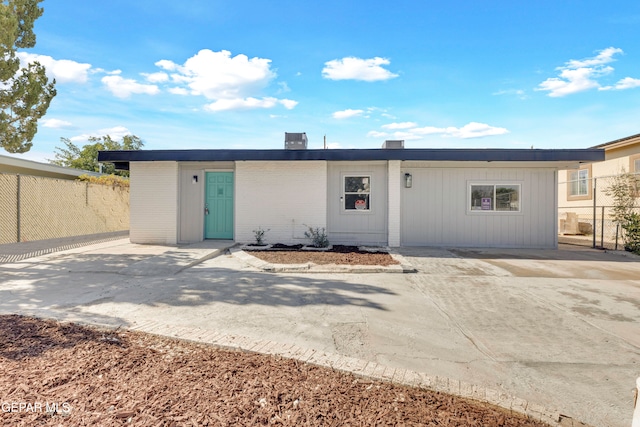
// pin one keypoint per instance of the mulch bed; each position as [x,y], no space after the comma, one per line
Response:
[338,254]
[129,378]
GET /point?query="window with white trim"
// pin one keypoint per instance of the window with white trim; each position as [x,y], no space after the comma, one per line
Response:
[634,163]
[357,193]
[579,182]
[489,197]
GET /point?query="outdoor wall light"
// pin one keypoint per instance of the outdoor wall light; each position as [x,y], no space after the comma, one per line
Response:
[194,180]
[408,180]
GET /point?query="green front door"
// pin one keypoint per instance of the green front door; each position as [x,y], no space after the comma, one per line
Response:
[218,219]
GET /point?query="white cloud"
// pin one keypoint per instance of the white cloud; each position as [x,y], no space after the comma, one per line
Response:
[159,77]
[289,104]
[580,75]
[167,65]
[514,92]
[63,70]
[626,83]
[123,88]
[604,57]
[249,103]
[403,125]
[103,71]
[217,75]
[231,82]
[178,91]
[345,114]
[476,130]
[116,133]
[377,134]
[431,130]
[284,87]
[56,123]
[352,68]
[470,130]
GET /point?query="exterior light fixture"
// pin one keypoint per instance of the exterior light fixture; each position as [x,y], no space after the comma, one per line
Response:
[194,180]
[408,180]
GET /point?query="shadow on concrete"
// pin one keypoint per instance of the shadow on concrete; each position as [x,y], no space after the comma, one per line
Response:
[12,252]
[65,287]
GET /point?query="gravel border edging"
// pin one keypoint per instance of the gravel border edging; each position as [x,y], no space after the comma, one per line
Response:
[402,267]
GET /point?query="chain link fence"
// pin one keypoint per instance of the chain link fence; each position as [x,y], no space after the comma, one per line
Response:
[37,208]
[586,213]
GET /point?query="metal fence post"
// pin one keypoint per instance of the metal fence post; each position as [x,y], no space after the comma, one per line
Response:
[602,228]
[595,186]
[18,209]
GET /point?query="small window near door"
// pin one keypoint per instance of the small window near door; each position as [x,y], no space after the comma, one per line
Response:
[357,193]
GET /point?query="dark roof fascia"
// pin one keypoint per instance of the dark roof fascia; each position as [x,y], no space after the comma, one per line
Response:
[482,155]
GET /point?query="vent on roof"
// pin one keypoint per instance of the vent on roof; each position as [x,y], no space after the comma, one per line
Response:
[391,144]
[295,141]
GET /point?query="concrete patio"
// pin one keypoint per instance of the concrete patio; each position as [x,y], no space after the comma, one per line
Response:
[557,330]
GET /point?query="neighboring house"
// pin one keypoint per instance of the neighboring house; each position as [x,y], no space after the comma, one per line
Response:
[390,196]
[16,166]
[621,155]
[576,199]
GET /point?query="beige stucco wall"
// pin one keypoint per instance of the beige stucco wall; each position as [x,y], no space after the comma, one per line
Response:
[53,208]
[616,161]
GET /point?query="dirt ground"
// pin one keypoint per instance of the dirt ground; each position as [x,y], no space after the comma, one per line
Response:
[349,255]
[128,378]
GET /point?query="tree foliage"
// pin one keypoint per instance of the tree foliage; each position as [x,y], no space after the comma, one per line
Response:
[108,180]
[624,191]
[25,93]
[86,157]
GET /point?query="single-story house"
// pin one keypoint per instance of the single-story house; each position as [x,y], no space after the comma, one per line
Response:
[18,166]
[389,196]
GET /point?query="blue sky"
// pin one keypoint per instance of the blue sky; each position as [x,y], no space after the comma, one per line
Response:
[238,74]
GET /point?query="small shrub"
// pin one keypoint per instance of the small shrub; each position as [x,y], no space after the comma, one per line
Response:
[631,227]
[259,235]
[112,180]
[318,237]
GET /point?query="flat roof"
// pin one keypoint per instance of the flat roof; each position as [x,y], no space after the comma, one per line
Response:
[17,165]
[122,158]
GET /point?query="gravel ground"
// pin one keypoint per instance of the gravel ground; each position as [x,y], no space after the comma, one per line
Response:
[129,378]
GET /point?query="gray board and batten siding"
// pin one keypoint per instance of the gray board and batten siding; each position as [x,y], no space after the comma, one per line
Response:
[435,211]
[367,225]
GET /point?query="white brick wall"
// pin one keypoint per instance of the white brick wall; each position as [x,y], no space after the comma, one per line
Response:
[154,202]
[281,196]
[393,201]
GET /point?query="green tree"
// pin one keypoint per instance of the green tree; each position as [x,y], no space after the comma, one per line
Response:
[624,191]
[86,157]
[25,93]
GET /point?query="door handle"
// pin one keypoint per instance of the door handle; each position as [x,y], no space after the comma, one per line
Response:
[206,210]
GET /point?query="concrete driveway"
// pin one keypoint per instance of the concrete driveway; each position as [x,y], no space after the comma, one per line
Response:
[557,328]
